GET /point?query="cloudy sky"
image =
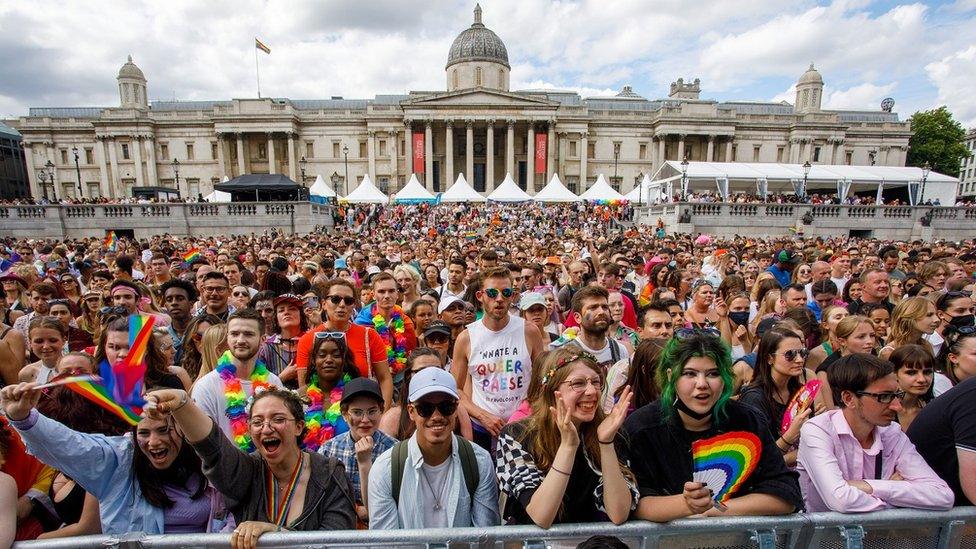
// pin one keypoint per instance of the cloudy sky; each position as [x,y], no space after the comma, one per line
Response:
[68,53]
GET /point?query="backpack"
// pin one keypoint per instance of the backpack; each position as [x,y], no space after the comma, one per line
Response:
[469,467]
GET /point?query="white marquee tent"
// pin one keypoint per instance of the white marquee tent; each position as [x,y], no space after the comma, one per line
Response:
[460,191]
[366,193]
[508,191]
[320,190]
[601,190]
[217,196]
[555,191]
[413,192]
[648,192]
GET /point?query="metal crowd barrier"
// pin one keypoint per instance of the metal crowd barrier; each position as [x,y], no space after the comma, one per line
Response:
[897,528]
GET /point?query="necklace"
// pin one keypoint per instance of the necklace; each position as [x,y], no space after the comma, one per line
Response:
[322,424]
[430,487]
[236,399]
[396,341]
[278,507]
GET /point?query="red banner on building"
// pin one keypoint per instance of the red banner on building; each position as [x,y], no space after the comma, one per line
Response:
[541,152]
[418,152]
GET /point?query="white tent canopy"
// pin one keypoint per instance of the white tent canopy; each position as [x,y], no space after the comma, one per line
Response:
[460,191]
[508,191]
[413,191]
[780,178]
[217,196]
[555,191]
[321,188]
[648,192]
[366,193]
[601,190]
[225,179]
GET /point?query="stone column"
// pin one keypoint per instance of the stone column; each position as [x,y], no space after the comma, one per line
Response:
[662,142]
[550,150]
[805,151]
[449,175]
[137,158]
[530,160]
[561,136]
[510,148]
[393,147]
[115,189]
[469,149]
[103,177]
[711,148]
[834,145]
[408,154]
[151,160]
[429,156]
[35,190]
[240,154]
[728,151]
[490,162]
[221,163]
[292,163]
[272,163]
[584,157]
[371,154]
[681,147]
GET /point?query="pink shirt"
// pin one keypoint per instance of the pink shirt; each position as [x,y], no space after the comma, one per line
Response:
[829,456]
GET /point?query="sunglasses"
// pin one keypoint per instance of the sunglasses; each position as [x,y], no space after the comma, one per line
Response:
[492,293]
[337,299]
[241,294]
[791,355]
[330,335]
[883,398]
[445,407]
[686,333]
[120,310]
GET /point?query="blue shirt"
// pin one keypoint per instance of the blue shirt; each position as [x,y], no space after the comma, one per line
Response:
[781,276]
[343,448]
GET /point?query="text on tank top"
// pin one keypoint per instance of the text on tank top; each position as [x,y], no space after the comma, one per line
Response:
[500,367]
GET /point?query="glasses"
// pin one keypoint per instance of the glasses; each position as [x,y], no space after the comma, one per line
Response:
[241,294]
[580,385]
[492,293]
[330,335]
[359,415]
[53,302]
[68,281]
[120,310]
[214,289]
[337,299]
[883,398]
[445,407]
[275,422]
[437,339]
[793,353]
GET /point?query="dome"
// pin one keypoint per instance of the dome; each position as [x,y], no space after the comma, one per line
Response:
[130,70]
[478,43]
[811,77]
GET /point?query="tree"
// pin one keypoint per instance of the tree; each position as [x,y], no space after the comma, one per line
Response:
[938,140]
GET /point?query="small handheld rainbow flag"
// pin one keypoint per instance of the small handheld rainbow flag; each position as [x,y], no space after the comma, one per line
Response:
[191,255]
[96,393]
[724,462]
[111,241]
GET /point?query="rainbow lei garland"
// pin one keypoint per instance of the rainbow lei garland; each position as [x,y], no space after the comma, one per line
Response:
[236,399]
[321,425]
[396,344]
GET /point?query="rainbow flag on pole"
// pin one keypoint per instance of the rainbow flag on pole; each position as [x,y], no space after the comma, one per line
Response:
[191,255]
[111,241]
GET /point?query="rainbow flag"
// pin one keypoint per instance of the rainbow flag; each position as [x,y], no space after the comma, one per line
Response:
[191,255]
[98,394]
[111,241]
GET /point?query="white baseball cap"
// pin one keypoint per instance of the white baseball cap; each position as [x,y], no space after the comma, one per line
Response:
[432,380]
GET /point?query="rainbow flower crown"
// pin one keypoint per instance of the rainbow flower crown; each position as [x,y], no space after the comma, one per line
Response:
[582,355]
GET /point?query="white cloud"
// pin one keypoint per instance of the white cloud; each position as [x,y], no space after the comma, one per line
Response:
[862,97]
[954,76]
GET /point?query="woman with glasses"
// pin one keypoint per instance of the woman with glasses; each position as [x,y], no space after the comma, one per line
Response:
[71,288]
[320,382]
[957,359]
[560,465]
[239,297]
[63,310]
[802,274]
[915,370]
[779,374]
[695,376]
[279,486]
[912,322]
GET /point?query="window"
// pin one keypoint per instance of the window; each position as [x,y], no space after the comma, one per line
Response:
[615,183]
[572,149]
[362,149]
[849,157]
[69,189]
[382,147]
[189,151]
[262,151]
[163,151]
[193,187]
[816,154]
[89,156]
[125,152]
[335,150]
[572,183]
[779,154]
[213,151]
[168,183]
[403,145]
[64,156]
[477,76]
[94,191]
[643,151]
[755,152]
[735,151]
[454,79]
[309,149]
[591,150]
[501,78]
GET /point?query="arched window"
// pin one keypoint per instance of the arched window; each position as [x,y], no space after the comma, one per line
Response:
[477,76]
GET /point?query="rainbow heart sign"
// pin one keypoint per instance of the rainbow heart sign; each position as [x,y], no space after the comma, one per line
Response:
[802,400]
[724,462]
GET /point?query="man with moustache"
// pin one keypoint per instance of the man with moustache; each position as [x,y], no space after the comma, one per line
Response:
[392,323]
[591,310]
[245,329]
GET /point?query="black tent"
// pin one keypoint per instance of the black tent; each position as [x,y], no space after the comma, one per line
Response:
[262,187]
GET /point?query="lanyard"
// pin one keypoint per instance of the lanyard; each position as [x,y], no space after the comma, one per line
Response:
[278,511]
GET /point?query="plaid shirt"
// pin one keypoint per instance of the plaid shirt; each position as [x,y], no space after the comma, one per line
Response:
[343,448]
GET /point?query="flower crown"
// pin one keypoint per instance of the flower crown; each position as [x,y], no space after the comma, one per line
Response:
[582,355]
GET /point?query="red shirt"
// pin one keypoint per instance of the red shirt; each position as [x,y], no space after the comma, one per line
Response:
[356,338]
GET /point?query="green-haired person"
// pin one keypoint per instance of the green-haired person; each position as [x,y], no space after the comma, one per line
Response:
[696,380]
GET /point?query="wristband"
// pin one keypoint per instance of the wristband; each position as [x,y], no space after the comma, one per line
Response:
[553,468]
[182,403]
[605,443]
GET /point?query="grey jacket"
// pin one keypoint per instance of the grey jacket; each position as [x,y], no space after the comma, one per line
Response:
[241,480]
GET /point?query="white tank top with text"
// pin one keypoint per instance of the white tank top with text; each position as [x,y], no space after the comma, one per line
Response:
[500,367]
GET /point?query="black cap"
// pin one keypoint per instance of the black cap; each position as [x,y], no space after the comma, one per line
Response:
[765,324]
[361,386]
[437,327]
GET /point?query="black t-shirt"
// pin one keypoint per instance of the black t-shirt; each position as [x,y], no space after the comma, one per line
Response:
[771,411]
[945,425]
[660,453]
[831,358]
[854,307]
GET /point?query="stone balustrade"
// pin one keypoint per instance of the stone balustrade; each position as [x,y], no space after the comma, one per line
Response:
[145,220]
[761,219]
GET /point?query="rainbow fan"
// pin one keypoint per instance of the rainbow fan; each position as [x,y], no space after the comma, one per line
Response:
[802,400]
[724,462]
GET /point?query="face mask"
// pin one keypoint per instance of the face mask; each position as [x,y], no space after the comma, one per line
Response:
[962,321]
[740,318]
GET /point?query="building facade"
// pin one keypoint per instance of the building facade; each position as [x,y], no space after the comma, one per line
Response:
[477,127]
[967,168]
[13,168]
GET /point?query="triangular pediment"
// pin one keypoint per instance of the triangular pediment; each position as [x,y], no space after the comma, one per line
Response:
[478,97]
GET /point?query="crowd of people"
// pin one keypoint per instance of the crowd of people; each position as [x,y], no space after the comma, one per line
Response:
[474,365]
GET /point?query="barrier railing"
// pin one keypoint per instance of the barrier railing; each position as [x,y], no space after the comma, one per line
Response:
[896,528]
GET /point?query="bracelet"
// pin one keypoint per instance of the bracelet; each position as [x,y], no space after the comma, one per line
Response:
[182,403]
[606,443]
[553,468]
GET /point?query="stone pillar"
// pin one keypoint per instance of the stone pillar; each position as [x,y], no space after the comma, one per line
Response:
[104,188]
[550,150]
[371,154]
[469,149]
[393,147]
[833,150]
[408,154]
[292,163]
[584,157]
[151,160]
[728,151]
[662,142]
[449,175]
[240,154]
[681,147]
[115,189]
[221,163]
[490,159]
[711,148]
[805,151]
[35,190]
[429,156]
[272,163]
[137,158]
[530,160]
[510,148]
[561,136]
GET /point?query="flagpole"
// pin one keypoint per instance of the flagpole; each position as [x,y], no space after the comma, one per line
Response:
[257,71]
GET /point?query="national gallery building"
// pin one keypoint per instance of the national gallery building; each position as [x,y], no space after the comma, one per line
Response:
[478,127]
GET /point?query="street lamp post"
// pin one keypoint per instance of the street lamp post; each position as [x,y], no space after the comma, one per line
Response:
[301,166]
[806,173]
[50,177]
[616,157]
[345,181]
[684,178]
[42,175]
[176,173]
[77,171]
[926,168]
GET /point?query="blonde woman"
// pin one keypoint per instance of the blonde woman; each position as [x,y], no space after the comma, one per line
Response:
[829,319]
[213,344]
[770,305]
[853,334]
[408,280]
[912,321]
